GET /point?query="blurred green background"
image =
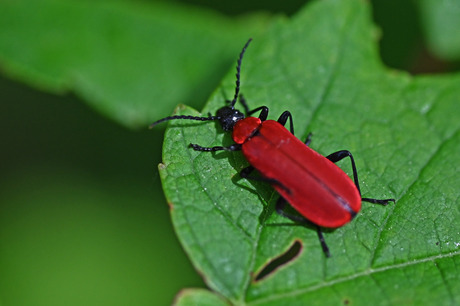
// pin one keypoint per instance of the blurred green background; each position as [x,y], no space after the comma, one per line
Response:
[83,220]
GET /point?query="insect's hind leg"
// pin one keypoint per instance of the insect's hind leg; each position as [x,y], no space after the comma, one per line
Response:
[281,204]
[339,155]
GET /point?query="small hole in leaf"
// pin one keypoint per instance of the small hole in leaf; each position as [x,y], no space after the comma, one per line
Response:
[279,261]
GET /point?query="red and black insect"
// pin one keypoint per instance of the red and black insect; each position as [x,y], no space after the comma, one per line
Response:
[321,192]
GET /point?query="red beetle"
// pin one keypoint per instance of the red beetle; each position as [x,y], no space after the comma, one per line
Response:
[312,184]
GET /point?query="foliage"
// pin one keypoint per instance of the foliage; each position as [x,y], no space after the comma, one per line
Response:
[133,61]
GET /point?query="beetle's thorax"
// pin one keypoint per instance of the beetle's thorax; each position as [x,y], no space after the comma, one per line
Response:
[245,129]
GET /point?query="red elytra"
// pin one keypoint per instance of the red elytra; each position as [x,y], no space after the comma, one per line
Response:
[323,194]
[314,186]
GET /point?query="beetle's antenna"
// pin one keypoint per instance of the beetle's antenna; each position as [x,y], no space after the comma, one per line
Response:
[210,118]
[238,69]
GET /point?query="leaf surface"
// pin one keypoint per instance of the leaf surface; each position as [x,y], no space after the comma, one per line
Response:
[323,66]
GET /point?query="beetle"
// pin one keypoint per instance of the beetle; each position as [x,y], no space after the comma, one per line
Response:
[321,192]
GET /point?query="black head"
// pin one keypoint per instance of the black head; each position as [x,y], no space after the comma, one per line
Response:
[228,116]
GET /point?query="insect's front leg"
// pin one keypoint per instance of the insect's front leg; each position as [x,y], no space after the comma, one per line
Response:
[263,112]
[233,147]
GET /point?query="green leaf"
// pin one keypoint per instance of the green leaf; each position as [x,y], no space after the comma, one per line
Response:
[323,66]
[440,22]
[132,61]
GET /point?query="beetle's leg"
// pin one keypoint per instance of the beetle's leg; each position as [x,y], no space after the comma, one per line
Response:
[283,119]
[339,155]
[308,140]
[263,114]
[233,147]
[245,105]
[245,173]
[281,204]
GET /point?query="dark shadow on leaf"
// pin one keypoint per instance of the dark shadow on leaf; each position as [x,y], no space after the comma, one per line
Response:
[263,190]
